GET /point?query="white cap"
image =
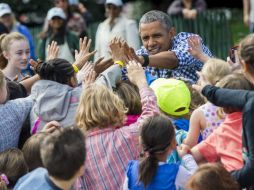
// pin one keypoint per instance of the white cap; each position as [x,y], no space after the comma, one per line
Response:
[117,3]
[56,12]
[4,9]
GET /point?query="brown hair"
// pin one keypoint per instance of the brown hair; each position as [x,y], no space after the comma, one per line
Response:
[5,42]
[215,69]
[246,49]
[13,165]
[157,134]
[31,150]
[99,107]
[211,176]
[129,93]
[63,152]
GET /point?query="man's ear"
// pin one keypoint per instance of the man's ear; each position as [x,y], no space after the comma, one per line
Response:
[172,32]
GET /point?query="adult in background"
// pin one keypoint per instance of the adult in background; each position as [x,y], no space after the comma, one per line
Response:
[67,41]
[248,14]
[164,53]
[77,17]
[189,9]
[115,25]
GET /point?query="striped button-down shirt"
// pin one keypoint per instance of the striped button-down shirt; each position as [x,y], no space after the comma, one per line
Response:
[109,150]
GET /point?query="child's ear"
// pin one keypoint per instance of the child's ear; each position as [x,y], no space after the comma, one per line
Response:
[81,170]
[6,54]
[244,66]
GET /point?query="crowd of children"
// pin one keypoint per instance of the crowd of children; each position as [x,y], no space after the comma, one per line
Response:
[77,125]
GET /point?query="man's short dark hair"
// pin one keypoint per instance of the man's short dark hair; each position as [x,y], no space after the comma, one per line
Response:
[63,152]
[153,16]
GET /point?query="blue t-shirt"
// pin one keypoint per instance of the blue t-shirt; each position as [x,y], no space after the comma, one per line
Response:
[164,178]
[38,179]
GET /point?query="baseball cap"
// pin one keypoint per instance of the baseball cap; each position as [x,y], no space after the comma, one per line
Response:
[56,12]
[4,9]
[117,3]
[173,96]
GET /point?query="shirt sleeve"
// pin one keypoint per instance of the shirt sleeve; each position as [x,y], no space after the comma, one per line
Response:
[227,97]
[189,163]
[245,175]
[208,148]
[22,107]
[182,177]
[125,183]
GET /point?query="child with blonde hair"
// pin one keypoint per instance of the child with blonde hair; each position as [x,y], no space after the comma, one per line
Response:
[225,143]
[244,100]
[15,54]
[207,117]
[110,145]
[211,176]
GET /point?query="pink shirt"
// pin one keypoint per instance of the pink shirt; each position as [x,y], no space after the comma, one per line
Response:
[225,143]
[109,150]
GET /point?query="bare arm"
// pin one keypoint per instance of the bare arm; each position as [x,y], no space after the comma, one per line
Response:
[28,83]
[246,12]
[195,126]
[165,59]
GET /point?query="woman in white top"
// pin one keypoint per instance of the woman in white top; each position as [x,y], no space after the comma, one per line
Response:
[68,42]
[115,25]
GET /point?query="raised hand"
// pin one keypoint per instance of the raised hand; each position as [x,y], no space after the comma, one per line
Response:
[89,78]
[84,71]
[136,73]
[52,50]
[119,50]
[82,56]
[195,48]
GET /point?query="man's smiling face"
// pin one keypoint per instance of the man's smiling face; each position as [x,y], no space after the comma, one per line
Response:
[155,37]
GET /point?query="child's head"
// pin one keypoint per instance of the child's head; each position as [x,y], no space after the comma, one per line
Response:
[12,165]
[211,176]
[58,70]
[63,153]
[100,107]
[173,96]
[31,150]
[215,69]
[15,51]
[157,138]
[129,93]
[245,50]
[3,88]
[234,81]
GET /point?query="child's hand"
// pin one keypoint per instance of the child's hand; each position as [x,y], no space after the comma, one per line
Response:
[183,149]
[82,56]
[136,73]
[51,126]
[52,50]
